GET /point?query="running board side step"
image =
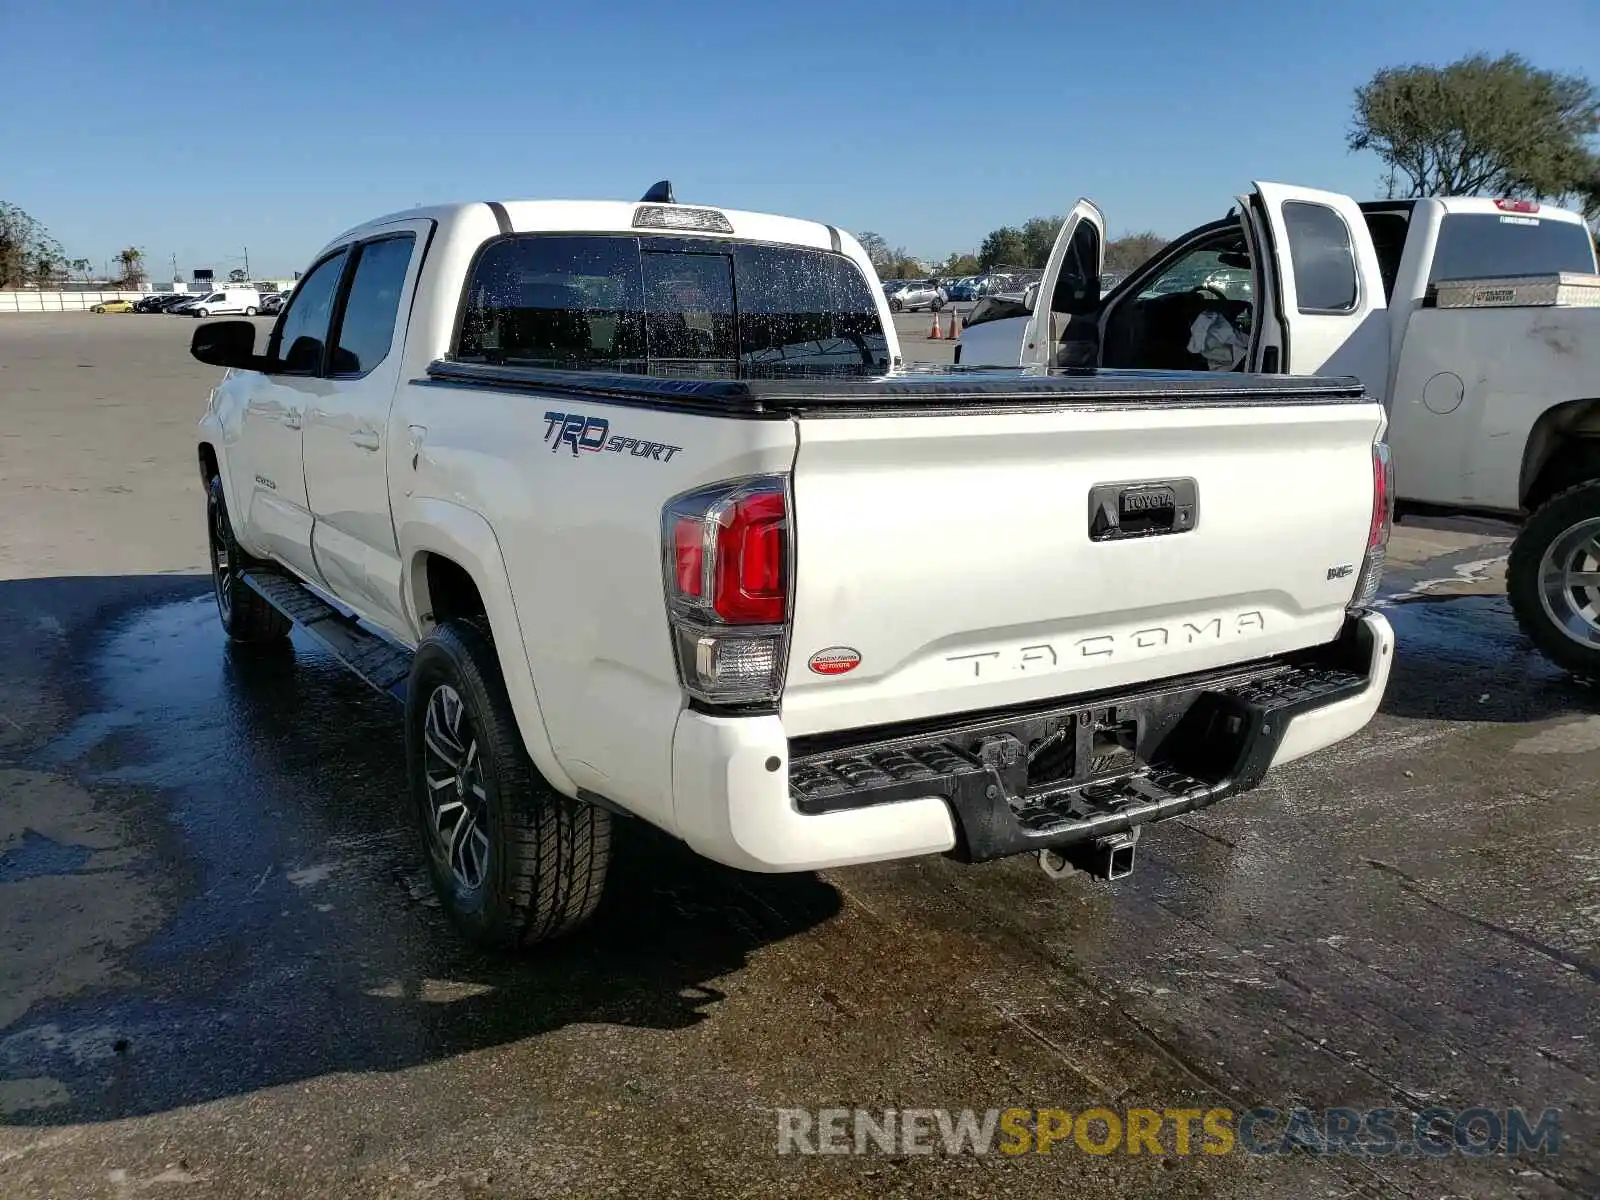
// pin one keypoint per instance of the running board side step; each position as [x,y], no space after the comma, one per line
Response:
[377,660]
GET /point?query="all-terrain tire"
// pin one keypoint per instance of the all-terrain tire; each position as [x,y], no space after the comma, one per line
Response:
[245,614]
[543,860]
[1554,522]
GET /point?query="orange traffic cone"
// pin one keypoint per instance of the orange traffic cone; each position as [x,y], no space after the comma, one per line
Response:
[935,334]
[955,326]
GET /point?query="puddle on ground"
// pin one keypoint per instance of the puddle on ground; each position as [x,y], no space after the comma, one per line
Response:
[271,819]
[38,855]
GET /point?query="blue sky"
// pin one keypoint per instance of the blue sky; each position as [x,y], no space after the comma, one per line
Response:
[199,130]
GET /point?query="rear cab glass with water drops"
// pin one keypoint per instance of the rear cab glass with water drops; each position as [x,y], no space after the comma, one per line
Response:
[666,306]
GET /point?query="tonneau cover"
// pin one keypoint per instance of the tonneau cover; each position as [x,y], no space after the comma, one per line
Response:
[917,388]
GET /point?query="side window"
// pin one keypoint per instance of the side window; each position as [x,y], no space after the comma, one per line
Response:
[1388,231]
[1078,285]
[303,330]
[575,303]
[1321,256]
[366,331]
[1203,269]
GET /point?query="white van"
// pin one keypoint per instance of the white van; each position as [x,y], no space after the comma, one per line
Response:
[228,300]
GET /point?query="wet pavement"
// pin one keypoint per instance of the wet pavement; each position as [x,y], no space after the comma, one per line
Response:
[222,973]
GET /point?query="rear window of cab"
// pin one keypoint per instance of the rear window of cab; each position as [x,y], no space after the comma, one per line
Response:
[672,306]
[1489,245]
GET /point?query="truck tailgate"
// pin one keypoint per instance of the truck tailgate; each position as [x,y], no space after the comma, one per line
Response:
[956,554]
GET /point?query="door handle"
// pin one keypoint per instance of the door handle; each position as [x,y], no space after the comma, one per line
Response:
[1131,510]
[292,418]
[367,439]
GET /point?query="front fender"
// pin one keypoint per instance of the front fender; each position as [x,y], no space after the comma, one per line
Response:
[466,538]
[211,433]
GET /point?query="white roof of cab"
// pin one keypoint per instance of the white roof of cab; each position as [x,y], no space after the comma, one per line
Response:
[608,216]
[1486,204]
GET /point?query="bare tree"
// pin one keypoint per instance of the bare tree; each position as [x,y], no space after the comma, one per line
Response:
[878,252]
[28,254]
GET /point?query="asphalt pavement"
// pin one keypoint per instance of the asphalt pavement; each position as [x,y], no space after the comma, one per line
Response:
[221,973]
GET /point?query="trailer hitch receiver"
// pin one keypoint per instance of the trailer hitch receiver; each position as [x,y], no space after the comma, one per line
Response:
[1104,858]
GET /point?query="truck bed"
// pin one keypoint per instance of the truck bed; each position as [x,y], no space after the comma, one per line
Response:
[1010,536]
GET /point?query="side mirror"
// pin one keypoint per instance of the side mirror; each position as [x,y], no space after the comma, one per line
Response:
[228,344]
[1030,297]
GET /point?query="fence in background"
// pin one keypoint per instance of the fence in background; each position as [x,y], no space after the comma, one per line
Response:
[27,300]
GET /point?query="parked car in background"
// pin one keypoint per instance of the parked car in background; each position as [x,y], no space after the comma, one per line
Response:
[244,301]
[918,293]
[150,303]
[112,306]
[964,289]
[997,283]
[272,304]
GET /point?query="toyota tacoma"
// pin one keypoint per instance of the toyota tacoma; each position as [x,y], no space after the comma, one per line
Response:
[637,511]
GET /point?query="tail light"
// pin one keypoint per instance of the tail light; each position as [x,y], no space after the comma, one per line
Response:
[1517,206]
[725,553]
[1378,532]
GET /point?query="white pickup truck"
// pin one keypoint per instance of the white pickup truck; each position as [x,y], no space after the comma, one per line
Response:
[634,509]
[1476,320]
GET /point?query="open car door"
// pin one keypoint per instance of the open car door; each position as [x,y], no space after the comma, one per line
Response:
[1322,310]
[1061,331]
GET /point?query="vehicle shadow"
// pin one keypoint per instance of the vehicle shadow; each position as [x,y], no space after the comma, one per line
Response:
[291,934]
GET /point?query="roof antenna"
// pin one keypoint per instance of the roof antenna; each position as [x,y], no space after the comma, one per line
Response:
[659,193]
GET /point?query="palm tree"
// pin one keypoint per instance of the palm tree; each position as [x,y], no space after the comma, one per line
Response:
[132,267]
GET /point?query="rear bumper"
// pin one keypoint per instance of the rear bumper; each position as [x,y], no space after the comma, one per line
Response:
[989,785]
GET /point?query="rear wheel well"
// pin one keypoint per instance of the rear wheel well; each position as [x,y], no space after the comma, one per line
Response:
[1563,451]
[451,592]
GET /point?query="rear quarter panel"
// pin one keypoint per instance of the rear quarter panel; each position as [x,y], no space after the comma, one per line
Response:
[1469,388]
[575,538]
[579,535]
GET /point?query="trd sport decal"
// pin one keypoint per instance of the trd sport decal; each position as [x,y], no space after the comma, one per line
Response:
[593,434]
